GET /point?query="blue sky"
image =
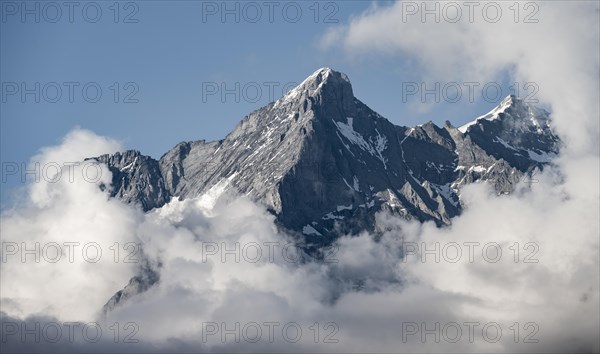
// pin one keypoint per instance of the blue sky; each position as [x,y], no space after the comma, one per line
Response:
[161,54]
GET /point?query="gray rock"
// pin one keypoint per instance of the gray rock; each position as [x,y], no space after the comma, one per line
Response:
[136,179]
[324,163]
[138,284]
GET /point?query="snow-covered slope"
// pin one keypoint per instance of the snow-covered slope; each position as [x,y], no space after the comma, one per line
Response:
[491,115]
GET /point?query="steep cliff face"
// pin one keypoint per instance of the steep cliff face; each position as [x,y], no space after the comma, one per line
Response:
[136,179]
[324,163]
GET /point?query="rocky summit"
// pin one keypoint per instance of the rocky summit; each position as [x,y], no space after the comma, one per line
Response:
[324,163]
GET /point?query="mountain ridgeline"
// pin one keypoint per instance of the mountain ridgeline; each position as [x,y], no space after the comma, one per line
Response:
[324,163]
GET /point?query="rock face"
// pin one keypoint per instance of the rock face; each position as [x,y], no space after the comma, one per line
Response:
[138,177]
[137,285]
[324,163]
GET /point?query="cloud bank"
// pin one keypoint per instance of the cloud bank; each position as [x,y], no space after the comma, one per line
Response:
[551,43]
[363,297]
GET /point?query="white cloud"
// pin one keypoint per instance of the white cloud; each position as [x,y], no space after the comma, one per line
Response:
[369,293]
[76,146]
[560,53]
[62,210]
[561,287]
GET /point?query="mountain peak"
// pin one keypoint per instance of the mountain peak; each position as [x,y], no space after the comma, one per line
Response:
[327,73]
[322,77]
[325,164]
[520,112]
[322,71]
[507,102]
[325,82]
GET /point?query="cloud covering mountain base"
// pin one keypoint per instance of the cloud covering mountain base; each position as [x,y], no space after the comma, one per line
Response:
[367,295]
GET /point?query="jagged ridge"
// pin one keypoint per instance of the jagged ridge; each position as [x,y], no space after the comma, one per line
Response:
[324,163]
